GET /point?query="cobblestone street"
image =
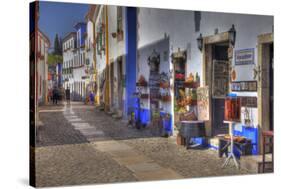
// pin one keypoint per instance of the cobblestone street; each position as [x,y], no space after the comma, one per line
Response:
[78,144]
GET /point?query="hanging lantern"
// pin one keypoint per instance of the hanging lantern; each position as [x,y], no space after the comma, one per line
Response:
[200,42]
[232,35]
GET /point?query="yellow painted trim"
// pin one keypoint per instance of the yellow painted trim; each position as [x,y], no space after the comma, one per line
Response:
[107,62]
[263,91]
[265,38]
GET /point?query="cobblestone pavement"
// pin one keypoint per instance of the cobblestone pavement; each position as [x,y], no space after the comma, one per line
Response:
[77,164]
[82,145]
[188,163]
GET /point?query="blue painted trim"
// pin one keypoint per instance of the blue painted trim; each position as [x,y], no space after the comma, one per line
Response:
[168,127]
[131,58]
[143,115]
[250,133]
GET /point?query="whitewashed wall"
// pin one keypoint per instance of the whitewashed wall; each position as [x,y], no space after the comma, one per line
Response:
[89,42]
[68,56]
[179,26]
[116,48]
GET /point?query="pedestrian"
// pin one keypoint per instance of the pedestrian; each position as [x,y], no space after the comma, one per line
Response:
[67,95]
[55,95]
[92,97]
[49,95]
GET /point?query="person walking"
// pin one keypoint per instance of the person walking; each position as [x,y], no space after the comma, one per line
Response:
[55,95]
[67,95]
[92,97]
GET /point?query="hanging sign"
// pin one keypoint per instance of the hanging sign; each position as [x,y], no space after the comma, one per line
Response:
[245,56]
[203,103]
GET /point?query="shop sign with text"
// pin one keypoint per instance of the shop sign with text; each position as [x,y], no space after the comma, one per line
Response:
[245,56]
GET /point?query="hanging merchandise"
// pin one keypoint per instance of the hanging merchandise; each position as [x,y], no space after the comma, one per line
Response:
[232,108]
[100,38]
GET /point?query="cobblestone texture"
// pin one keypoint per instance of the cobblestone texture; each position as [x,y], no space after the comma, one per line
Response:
[77,164]
[115,128]
[67,155]
[56,130]
[188,163]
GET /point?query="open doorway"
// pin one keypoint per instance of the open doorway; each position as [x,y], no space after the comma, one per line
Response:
[264,76]
[217,55]
[120,82]
[111,84]
[271,84]
[220,84]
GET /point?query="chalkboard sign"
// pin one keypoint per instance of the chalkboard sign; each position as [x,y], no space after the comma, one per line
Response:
[203,103]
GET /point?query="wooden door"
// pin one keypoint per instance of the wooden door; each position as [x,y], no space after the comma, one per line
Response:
[220,88]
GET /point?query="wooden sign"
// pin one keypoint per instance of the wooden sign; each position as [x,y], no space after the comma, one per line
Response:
[203,103]
[220,82]
[249,101]
[244,86]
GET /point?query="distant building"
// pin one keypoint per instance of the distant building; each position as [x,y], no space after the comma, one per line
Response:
[69,47]
[74,60]
[42,67]
[90,54]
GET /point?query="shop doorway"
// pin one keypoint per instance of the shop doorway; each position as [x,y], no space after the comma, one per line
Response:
[111,84]
[120,82]
[220,83]
[264,76]
[265,81]
[271,84]
[217,55]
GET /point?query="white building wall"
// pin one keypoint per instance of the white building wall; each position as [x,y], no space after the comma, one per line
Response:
[68,60]
[116,48]
[42,68]
[180,27]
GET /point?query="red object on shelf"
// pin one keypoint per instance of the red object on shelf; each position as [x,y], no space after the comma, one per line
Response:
[232,110]
[179,76]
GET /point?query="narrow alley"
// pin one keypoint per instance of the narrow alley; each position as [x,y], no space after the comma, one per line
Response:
[79,144]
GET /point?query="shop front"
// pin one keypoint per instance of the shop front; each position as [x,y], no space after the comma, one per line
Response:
[210,56]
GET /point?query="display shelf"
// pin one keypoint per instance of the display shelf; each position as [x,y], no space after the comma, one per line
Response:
[141,84]
[193,85]
[144,96]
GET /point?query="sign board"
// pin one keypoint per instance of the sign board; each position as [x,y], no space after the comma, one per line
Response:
[220,83]
[203,103]
[245,56]
[250,86]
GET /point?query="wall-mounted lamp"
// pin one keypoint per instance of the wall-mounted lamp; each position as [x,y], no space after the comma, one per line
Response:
[200,42]
[232,35]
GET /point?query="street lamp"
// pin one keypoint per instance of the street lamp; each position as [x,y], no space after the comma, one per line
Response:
[200,42]
[232,35]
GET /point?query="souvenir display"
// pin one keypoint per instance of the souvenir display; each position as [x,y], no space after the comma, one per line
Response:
[232,109]
[107,82]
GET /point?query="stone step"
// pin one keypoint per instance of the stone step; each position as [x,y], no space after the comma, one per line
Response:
[254,163]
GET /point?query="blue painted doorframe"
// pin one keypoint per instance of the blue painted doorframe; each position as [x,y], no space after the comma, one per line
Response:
[131,57]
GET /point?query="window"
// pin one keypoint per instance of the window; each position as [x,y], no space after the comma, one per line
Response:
[119,19]
[83,58]
[42,46]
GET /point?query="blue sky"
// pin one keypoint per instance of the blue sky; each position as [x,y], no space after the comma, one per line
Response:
[60,17]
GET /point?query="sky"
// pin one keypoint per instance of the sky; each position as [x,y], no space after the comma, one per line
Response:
[60,18]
